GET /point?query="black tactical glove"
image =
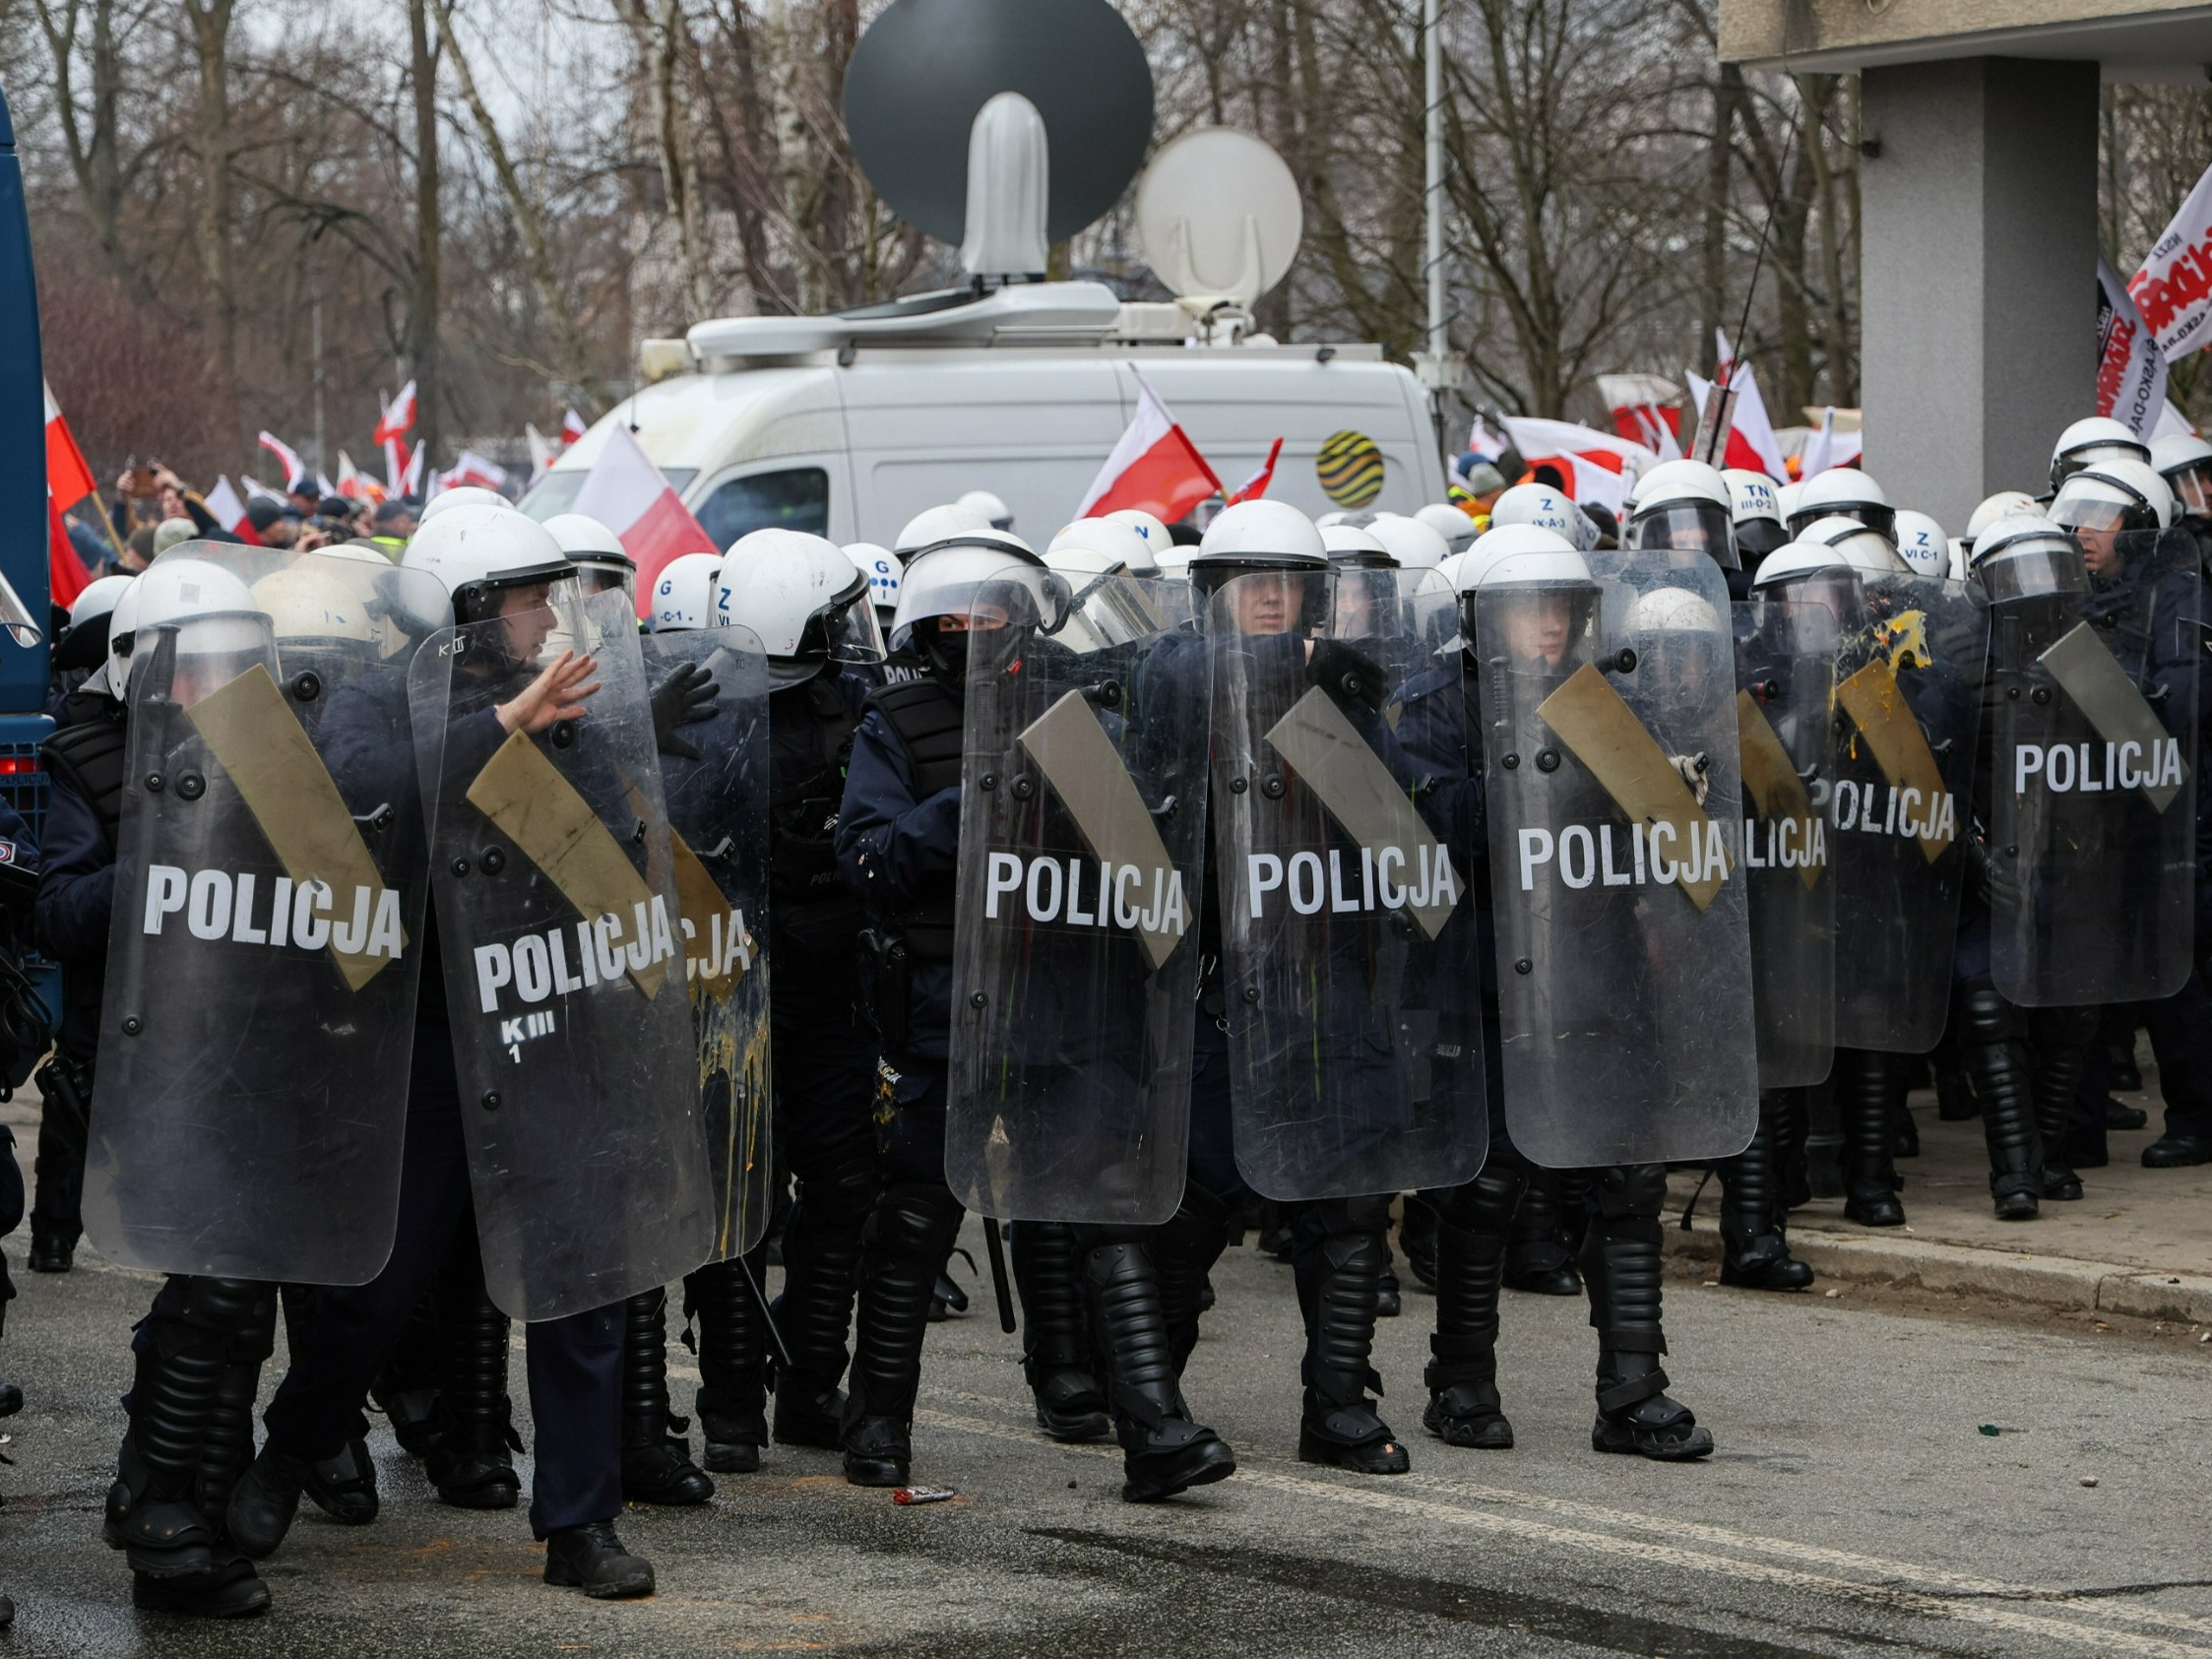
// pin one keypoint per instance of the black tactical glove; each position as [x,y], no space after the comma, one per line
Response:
[686,699]
[1995,882]
[1348,676]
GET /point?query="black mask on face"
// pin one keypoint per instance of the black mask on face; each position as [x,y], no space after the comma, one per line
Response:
[946,654]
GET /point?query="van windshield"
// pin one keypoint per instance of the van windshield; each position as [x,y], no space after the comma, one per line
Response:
[795,499]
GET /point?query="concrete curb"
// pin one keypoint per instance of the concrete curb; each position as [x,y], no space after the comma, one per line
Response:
[2059,1283]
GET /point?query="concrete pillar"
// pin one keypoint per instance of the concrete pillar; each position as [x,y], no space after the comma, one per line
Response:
[1978,275]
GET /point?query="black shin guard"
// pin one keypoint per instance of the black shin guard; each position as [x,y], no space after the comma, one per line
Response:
[471,1459]
[1863,1112]
[1056,1353]
[1473,1229]
[1184,1250]
[1754,1241]
[1164,1452]
[724,1308]
[1991,1035]
[907,1238]
[821,1268]
[656,1466]
[2062,1039]
[1341,1425]
[1622,1264]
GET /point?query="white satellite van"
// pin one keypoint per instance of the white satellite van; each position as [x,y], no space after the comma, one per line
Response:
[848,426]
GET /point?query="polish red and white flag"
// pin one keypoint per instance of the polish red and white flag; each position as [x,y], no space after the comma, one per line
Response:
[625,492]
[229,510]
[399,416]
[1155,468]
[296,469]
[573,427]
[1254,487]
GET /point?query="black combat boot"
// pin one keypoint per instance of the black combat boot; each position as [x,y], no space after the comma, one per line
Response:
[1537,1256]
[821,1261]
[732,1398]
[406,1389]
[1056,1353]
[1162,1450]
[656,1466]
[1754,1236]
[1183,1249]
[471,1460]
[55,1219]
[2062,1054]
[1337,1284]
[1863,1112]
[185,1349]
[907,1235]
[1472,1232]
[1622,1264]
[1991,1034]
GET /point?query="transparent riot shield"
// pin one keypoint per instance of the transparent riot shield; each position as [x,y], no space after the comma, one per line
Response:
[1908,690]
[2092,787]
[266,943]
[559,918]
[1785,742]
[1623,963]
[1075,959]
[1354,1069]
[715,775]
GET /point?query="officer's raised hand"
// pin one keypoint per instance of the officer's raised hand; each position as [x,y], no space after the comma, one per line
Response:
[557,694]
[686,699]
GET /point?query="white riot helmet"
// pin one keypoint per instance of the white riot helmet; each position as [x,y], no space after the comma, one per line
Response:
[1756,511]
[2113,497]
[683,597]
[1785,498]
[1260,534]
[1865,550]
[1687,506]
[1922,543]
[2004,504]
[1108,545]
[229,631]
[1414,544]
[1813,571]
[2184,461]
[478,552]
[1354,546]
[114,675]
[84,643]
[1455,527]
[936,524]
[880,565]
[2027,556]
[595,551]
[1549,509]
[994,512]
[1673,610]
[1148,525]
[1531,541]
[803,597]
[1842,492]
[950,578]
[460,495]
[2099,437]
[325,598]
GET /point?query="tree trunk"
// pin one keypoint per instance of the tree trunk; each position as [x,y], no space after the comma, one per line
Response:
[211,46]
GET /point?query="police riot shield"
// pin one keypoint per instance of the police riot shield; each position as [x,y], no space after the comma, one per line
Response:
[1785,742]
[265,947]
[1908,698]
[558,913]
[1353,1070]
[1611,741]
[1075,958]
[714,772]
[2093,786]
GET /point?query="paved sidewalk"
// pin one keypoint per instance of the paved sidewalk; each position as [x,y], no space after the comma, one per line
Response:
[2139,1242]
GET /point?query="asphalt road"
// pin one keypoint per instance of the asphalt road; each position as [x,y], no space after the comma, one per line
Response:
[1855,1505]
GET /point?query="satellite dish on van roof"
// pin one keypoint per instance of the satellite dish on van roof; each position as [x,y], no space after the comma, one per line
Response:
[926,68]
[1218,216]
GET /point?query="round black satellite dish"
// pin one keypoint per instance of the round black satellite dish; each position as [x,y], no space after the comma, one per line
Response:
[925,67]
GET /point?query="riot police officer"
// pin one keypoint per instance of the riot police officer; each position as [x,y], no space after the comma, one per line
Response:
[896,839]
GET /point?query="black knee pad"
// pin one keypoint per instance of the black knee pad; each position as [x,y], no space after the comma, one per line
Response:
[214,1318]
[841,1181]
[1984,1014]
[1486,1204]
[1370,1213]
[1628,1192]
[912,1222]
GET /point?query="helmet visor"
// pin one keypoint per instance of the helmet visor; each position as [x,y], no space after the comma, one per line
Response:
[2033,568]
[982,586]
[1687,527]
[845,632]
[1757,538]
[1882,520]
[2192,487]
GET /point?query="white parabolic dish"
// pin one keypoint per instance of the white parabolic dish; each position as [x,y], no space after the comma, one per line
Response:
[1219,215]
